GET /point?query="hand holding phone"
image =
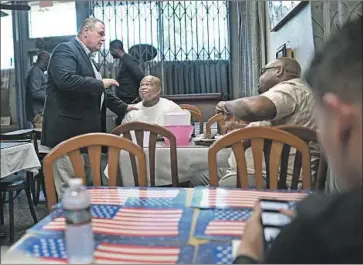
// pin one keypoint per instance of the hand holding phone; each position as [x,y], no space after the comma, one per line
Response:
[272,219]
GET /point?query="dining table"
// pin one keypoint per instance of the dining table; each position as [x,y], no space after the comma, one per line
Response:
[152,225]
[17,156]
[192,160]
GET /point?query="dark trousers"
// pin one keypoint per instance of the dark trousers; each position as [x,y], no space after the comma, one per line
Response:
[118,121]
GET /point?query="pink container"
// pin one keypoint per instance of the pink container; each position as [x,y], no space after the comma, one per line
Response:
[182,134]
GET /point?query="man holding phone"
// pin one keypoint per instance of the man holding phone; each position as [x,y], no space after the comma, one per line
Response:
[327,228]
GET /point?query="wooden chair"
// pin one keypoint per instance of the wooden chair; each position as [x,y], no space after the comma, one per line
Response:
[139,128]
[17,182]
[190,107]
[94,143]
[307,135]
[196,115]
[257,136]
[219,118]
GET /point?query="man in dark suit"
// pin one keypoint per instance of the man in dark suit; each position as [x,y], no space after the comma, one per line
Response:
[77,96]
[129,75]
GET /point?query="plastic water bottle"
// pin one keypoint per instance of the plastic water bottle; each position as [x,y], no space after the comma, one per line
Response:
[77,211]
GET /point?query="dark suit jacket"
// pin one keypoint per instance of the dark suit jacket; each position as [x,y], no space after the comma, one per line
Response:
[72,105]
[36,83]
[129,77]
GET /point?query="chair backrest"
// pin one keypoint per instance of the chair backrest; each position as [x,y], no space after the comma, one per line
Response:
[196,114]
[190,107]
[140,128]
[219,118]
[307,135]
[257,136]
[94,143]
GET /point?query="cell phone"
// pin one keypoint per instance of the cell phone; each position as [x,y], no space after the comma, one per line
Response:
[272,220]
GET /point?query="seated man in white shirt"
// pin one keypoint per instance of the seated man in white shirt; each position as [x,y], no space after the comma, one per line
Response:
[284,100]
[152,108]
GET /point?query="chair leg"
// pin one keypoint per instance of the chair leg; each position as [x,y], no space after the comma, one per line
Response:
[1,209]
[30,202]
[11,215]
[29,197]
[32,185]
[43,187]
[37,192]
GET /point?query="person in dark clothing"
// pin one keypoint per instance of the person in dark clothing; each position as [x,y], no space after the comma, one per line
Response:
[77,97]
[35,83]
[77,94]
[326,228]
[128,77]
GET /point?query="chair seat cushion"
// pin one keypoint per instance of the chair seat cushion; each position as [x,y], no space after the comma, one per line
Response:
[13,180]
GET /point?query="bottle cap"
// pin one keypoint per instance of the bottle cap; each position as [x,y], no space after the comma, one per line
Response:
[75,182]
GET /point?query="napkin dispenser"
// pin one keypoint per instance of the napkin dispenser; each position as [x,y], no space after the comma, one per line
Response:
[177,118]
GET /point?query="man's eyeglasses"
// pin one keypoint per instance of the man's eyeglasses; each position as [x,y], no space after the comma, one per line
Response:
[264,69]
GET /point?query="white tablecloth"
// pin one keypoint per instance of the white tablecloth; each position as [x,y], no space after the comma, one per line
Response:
[192,159]
[17,158]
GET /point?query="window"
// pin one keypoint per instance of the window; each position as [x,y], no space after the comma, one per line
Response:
[7,43]
[60,19]
[179,30]
[195,30]
[132,22]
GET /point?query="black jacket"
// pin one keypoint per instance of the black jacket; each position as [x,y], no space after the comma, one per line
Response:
[129,77]
[35,83]
[72,105]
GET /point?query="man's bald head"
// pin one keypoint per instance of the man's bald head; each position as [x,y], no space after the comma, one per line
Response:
[291,66]
[150,89]
[153,79]
[277,71]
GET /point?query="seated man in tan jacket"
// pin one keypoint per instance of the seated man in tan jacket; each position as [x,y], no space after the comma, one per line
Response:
[284,100]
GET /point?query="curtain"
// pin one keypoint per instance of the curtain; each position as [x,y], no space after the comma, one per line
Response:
[328,16]
[193,77]
[251,52]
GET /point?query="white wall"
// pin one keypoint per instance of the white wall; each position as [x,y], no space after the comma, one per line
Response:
[299,32]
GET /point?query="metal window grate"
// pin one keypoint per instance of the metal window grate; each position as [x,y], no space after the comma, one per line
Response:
[181,31]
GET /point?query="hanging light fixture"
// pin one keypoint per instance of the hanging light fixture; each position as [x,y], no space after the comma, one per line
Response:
[45,4]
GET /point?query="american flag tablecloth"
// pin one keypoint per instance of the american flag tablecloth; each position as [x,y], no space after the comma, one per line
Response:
[137,197]
[221,224]
[224,212]
[238,198]
[215,253]
[133,224]
[52,249]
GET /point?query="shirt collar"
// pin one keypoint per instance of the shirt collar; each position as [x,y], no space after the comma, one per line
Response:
[90,54]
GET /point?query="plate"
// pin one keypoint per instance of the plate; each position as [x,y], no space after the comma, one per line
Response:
[205,142]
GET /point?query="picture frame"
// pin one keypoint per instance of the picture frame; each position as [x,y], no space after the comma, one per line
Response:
[283,51]
[280,12]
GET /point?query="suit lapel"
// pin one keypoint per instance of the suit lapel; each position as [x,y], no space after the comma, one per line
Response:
[85,56]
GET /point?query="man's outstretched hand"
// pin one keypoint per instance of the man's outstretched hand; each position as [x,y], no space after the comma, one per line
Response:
[109,82]
[233,125]
[131,107]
